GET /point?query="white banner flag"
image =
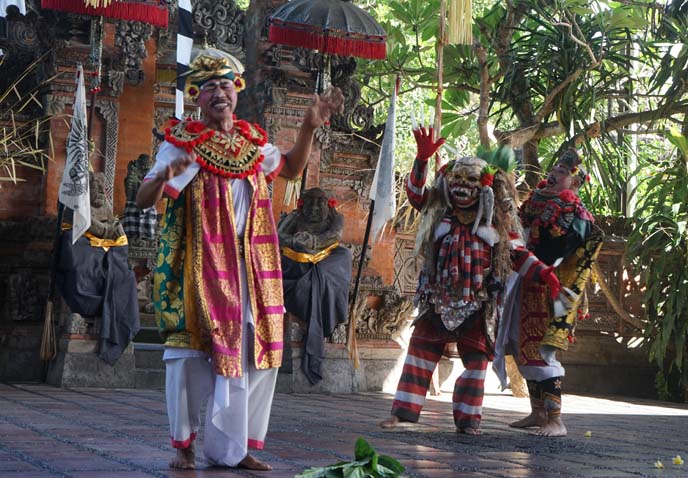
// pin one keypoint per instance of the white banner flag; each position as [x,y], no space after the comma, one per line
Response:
[74,189]
[20,4]
[383,190]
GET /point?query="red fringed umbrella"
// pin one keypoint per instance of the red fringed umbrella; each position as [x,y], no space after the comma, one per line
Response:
[143,11]
[336,27]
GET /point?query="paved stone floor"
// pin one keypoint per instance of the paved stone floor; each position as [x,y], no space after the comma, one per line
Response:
[51,432]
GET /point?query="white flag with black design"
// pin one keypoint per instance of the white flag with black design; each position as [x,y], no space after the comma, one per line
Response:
[383,190]
[74,190]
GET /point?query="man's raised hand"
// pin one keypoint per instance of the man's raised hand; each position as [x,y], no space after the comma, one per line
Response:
[324,106]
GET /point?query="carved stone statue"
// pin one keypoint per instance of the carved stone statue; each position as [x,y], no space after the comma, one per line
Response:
[314,226]
[316,272]
[104,224]
[94,276]
[138,223]
[136,170]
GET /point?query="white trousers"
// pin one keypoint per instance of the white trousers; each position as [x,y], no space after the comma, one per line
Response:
[237,414]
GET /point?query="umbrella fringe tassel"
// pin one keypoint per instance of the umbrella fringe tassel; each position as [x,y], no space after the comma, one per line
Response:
[138,12]
[358,47]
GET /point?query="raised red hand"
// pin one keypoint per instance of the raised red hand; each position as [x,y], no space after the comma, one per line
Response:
[425,144]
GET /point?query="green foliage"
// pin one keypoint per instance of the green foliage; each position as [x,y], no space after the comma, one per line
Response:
[658,248]
[367,463]
[502,158]
[604,58]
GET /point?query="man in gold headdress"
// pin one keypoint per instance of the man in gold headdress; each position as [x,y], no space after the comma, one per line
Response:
[218,282]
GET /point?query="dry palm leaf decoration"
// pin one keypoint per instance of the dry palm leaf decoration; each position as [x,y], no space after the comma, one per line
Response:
[460,22]
[22,142]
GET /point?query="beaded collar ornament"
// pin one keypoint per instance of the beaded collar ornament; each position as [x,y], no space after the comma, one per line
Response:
[235,154]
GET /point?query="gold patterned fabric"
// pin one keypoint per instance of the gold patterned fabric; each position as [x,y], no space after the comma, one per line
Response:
[96,241]
[211,63]
[171,282]
[574,273]
[538,324]
[198,283]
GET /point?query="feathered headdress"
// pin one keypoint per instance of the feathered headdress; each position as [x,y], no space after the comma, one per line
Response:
[501,159]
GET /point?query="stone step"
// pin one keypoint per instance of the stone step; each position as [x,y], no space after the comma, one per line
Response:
[150,379]
[147,320]
[148,335]
[150,369]
[149,356]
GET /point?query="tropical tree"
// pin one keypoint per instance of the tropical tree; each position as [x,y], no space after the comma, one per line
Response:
[609,76]
[658,247]
[542,75]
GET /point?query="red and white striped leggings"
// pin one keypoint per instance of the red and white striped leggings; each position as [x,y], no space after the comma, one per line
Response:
[421,360]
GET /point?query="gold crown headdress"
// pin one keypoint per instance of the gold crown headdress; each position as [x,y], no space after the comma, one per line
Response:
[209,63]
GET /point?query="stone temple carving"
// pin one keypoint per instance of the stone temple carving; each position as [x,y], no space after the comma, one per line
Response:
[388,321]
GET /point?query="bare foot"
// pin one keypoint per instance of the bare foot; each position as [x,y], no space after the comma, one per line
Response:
[553,428]
[535,419]
[185,459]
[470,431]
[391,422]
[252,463]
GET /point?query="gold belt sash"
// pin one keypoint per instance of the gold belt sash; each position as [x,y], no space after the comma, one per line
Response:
[305,257]
[105,244]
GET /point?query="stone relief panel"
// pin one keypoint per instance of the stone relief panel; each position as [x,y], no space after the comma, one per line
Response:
[24,276]
[356,117]
[385,322]
[222,24]
[24,303]
[110,112]
[22,44]
[161,115]
[130,38]
[55,104]
[406,265]
[388,320]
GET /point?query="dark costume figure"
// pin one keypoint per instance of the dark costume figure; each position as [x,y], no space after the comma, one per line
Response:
[316,272]
[560,232]
[467,258]
[94,276]
[138,223]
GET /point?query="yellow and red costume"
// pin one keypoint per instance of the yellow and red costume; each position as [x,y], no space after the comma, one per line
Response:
[218,287]
[200,251]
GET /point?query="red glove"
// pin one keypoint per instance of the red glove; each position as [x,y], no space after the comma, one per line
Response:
[424,143]
[548,277]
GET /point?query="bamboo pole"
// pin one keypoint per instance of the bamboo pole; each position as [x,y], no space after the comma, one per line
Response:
[352,343]
[441,41]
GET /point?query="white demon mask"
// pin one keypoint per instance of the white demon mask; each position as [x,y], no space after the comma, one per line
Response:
[462,182]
